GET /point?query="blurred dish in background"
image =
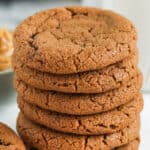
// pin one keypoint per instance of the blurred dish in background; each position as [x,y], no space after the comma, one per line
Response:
[6,49]
[6,75]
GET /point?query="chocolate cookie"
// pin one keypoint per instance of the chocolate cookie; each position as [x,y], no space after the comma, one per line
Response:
[79,104]
[42,138]
[104,123]
[108,78]
[9,140]
[74,39]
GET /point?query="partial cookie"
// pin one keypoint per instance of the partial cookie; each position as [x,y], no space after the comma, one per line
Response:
[130,146]
[134,145]
[9,140]
[42,138]
[104,123]
[74,39]
[108,78]
[79,104]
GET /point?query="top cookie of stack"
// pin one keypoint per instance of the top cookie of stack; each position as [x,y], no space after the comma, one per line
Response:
[75,50]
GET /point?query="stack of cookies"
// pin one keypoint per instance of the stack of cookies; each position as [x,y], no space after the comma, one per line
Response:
[77,80]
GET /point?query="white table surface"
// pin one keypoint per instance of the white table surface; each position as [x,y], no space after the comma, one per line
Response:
[9,111]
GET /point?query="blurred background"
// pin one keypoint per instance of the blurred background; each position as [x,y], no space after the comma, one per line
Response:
[12,12]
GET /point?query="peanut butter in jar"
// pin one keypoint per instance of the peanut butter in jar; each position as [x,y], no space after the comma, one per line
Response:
[6,49]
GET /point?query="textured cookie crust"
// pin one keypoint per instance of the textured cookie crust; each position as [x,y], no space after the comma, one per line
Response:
[134,145]
[79,104]
[9,140]
[43,138]
[108,78]
[104,123]
[74,39]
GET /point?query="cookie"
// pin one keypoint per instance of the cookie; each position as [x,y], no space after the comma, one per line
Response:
[9,140]
[108,78]
[42,138]
[103,123]
[79,104]
[130,146]
[74,39]
[134,145]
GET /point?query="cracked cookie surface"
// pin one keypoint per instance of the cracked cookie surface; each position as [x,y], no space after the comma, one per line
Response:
[79,104]
[103,123]
[9,140]
[74,39]
[134,145]
[42,138]
[102,80]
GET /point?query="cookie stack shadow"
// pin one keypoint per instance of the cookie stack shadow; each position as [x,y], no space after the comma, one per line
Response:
[93,104]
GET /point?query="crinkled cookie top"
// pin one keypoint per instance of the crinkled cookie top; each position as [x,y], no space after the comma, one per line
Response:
[74,39]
